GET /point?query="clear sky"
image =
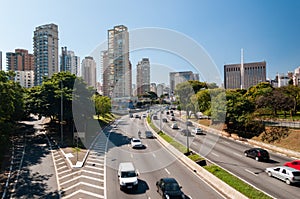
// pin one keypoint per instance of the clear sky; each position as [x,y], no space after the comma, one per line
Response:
[266,29]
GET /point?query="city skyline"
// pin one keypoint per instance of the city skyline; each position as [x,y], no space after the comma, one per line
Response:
[221,29]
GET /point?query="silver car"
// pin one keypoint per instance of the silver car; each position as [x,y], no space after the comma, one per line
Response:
[287,174]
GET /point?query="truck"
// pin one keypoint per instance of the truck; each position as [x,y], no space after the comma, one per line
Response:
[127,175]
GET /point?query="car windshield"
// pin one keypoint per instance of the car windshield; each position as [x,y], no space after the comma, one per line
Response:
[128,174]
[172,187]
[136,141]
[296,173]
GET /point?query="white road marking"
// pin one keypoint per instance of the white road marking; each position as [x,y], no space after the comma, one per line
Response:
[153,155]
[251,172]
[167,171]
[226,142]
[215,154]
[237,154]
[131,155]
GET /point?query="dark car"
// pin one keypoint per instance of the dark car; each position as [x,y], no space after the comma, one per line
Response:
[137,116]
[169,188]
[186,132]
[164,120]
[149,134]
[258,154]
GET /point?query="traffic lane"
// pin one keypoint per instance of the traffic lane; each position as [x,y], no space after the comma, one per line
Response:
[147,165]
[150,171]
[249,170]
[37,175]
[234,161]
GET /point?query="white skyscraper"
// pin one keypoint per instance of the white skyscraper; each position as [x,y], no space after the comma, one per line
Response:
[117,79]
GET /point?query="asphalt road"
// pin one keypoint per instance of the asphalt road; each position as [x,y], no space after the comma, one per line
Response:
[34,176]
[152,163]
[229,154]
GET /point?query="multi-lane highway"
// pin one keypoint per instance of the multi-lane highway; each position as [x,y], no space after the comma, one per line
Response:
[229,154]
[152,163]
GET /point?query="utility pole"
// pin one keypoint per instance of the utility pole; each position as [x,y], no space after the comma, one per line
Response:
[61,114]
[187,133]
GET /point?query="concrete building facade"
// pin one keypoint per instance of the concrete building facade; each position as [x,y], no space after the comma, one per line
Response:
[89,71]
[252,74]
[45,47]
[117,77]
[180,77]
[20,60]
[143,76]
[25,78]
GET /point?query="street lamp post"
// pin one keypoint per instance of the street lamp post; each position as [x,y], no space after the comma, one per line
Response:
[61,114]
[187,133]
[160,121]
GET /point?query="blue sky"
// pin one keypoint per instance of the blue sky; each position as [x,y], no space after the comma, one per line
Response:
[266,29]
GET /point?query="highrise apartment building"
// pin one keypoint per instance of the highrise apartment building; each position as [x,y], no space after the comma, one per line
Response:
[20,60]
[117,78]
[69,62]
[143,76]
[180,77]
[0,60]
[244,75]
[22,63]
[89,71]
[45,47]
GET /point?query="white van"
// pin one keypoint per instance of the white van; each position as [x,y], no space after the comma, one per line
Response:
[127,176]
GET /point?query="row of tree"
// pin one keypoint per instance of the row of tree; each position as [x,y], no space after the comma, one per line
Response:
[57,98]
[239,109]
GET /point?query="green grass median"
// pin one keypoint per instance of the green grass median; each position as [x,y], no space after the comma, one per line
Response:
[236,183]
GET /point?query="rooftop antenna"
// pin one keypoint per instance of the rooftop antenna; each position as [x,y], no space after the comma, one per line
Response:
[242,68]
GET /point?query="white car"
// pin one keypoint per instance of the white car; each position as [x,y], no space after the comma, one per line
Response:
[287,174]
[174,126]
[136,143]
[198,131]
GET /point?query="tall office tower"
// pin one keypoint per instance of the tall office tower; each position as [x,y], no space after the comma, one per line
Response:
[253,73]
[118,64]
[89,71]
[45,47]
[69,62]
[180,77]
[20,60]
[143,76]
[0,60]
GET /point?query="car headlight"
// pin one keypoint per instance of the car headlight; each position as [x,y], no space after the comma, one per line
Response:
[122,183]
[182,196]
[135,182]
[167,196]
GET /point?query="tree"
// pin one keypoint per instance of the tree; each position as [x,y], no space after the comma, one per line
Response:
[184,91]
[102,104]
[203,100]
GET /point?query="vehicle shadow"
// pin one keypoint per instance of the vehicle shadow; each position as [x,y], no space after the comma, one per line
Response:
[272,161]
[142,188]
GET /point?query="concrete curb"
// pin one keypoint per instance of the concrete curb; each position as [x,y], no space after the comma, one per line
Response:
[205,175]
[80,164]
